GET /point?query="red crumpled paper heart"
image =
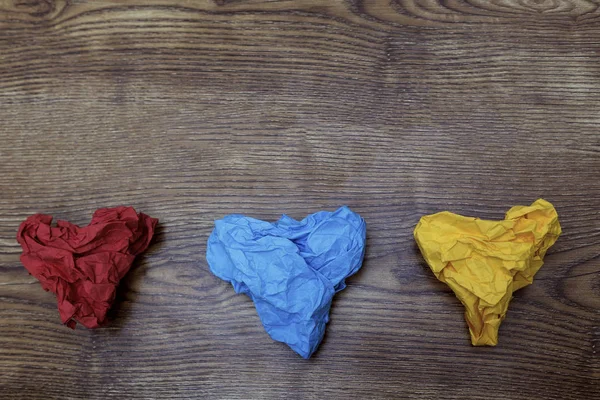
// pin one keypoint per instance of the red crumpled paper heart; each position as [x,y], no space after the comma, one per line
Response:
[83,266]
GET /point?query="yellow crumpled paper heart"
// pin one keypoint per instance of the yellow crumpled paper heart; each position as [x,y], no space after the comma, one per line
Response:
[484,262]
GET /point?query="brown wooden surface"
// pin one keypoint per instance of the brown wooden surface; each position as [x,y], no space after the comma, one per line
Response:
[190,110]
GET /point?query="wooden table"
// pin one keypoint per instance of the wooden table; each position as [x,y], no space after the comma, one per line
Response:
[191,110]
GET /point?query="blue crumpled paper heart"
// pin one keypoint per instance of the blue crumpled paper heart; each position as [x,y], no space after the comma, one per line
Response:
[290,269]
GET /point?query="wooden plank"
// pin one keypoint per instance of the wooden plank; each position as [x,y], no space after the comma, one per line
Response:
[189,111]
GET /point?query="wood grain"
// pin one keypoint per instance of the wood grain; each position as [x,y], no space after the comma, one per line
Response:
[189,111]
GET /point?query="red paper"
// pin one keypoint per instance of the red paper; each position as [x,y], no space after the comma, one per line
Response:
[83,266]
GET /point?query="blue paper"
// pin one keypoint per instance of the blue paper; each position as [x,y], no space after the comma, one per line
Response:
[290,269]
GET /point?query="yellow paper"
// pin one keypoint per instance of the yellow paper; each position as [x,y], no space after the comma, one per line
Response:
[484,262]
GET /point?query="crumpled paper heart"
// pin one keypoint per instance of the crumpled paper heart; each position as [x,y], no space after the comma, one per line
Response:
[290,269]
[484,262]
[83,266]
